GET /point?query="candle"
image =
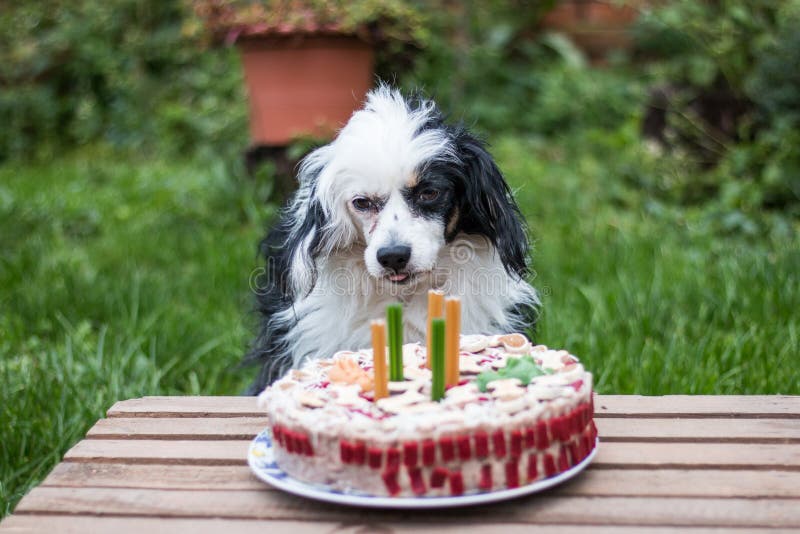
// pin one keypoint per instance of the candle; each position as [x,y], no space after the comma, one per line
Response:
[437,358]
[394,319]
[452,340]
[435,311]
[379,358]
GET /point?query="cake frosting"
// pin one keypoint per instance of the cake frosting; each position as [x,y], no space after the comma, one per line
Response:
[520,413]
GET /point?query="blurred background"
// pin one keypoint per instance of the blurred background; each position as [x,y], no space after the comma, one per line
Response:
[145,145]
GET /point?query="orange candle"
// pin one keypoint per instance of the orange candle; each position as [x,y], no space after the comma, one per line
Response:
[435,311]
[452,335]
[379,358]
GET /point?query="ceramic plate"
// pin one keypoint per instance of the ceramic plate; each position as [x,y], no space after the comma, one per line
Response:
[262,462]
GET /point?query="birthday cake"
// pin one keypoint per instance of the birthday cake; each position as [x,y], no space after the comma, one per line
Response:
[514,414]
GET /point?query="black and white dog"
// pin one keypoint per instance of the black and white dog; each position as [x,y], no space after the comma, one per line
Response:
[397,204]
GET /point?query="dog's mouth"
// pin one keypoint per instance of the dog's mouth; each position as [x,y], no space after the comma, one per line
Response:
[404,278]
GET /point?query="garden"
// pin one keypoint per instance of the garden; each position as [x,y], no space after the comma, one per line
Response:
[660,182]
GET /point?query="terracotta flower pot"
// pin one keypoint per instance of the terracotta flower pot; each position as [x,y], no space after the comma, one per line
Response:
[595,26]
[303,85]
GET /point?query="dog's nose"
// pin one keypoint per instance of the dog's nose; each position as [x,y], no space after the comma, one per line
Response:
[395,257]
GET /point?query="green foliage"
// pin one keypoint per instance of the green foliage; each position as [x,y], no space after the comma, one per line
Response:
[124,71]
[523,369]
[121,278]
[732,86]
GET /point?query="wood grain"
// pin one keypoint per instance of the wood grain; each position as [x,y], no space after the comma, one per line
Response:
[233,428]
[50,524]
[593,482]
[545,509]
[697,406]
[610,455]
[689,406]
[174,464]
[611,429]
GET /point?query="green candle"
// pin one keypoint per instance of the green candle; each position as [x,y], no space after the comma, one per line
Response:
[394,322]
[437,359]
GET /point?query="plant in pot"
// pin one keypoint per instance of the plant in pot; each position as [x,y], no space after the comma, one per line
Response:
[308,63]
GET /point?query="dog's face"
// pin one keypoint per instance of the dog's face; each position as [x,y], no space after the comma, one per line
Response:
[400,184]
[405,225]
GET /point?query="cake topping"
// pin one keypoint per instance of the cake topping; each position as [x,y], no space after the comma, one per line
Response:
[346,370]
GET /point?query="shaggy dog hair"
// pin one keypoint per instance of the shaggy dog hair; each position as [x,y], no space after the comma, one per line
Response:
[397,204]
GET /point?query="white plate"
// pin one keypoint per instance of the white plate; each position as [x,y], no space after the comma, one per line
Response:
[262,462]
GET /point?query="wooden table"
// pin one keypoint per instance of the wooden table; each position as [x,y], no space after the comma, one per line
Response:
[168,464]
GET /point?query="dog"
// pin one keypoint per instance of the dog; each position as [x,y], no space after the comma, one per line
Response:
[399,203]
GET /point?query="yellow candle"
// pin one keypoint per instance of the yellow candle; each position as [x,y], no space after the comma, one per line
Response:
[452,321]
[379,358]
[435,310]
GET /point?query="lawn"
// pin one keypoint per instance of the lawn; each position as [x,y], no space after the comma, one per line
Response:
[125,275]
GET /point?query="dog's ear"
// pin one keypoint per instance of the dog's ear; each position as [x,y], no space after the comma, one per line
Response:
[304,244]
[488,208]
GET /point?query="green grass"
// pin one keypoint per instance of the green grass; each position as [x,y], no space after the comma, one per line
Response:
[123,276]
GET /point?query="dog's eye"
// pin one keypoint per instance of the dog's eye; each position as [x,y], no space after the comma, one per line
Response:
[428,195]
[362,204]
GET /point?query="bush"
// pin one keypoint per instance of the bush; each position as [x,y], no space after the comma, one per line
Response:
[727,95]
[128,72]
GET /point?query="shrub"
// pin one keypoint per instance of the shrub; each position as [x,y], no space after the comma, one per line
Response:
[124,71]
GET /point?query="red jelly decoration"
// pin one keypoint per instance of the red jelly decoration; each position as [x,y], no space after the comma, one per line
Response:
[428,452]
[574,453]
[410,453]
[512,474]
[530,438]
[359,453]
[563,462]
[447,448]
[516,443]
[464,451]
[481,444]
[438,476]
[456,483]
[374,457]
[577,384]
[346,451]
[417,483]
[549,465]
[499,443]
[288,437]
[533,473]
[485,482]
[562,428]
[276,434]
[588,444]
[392,458]
[390,480]
[542,439]
[307,449]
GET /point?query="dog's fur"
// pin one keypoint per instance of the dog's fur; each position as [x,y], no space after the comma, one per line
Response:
[396,176]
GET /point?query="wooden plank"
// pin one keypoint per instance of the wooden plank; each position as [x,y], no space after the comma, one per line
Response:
[185,428]
[611,429]
[611,455]
[697,456]
[49,524]
[695,406]
[115,475]
[728,406]
[699,430]
[185,452]
[593,482]
[542,509]
[683,483]
[187,407]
